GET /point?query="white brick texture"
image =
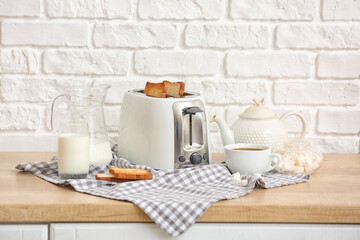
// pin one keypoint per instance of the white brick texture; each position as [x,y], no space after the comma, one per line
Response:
[44,33]
[273,9]
[34,89]
[341,10]
[185,9]
[316,93]
[331,121]
[13,117]
[176,63]
[276,65]
[341,65]
[20,8]
[300,55]
[227,36]
[329,36]
[97,62]
[89,9]
[19,60]
[135,36]
[232,92]
[336,144]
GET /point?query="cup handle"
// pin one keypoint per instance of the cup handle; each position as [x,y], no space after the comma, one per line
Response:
[271,158]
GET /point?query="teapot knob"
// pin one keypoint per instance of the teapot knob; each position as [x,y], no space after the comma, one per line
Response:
[259,103]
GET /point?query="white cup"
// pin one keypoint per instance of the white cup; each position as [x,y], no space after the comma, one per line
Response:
[250,159]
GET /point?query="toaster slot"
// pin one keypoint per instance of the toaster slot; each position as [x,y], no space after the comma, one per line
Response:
[193,128]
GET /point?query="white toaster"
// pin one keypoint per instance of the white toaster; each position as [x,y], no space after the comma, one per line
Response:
[163,133]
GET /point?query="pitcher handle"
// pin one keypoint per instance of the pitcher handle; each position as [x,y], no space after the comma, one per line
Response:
[303,130]
[54,107]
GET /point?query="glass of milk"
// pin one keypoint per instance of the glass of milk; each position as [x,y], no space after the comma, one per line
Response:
[73,150]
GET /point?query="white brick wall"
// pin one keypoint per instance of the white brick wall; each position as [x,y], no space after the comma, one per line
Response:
[111,9]
[299,55]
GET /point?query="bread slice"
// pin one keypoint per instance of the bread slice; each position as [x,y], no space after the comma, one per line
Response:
[175,89]
[130,173]
[109,177]
[156,89]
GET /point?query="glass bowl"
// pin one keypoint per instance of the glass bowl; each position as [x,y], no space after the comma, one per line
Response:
[299,157]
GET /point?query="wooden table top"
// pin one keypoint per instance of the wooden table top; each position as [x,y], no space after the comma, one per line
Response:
[331,196]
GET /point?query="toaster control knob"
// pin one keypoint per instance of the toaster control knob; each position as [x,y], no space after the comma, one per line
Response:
[182,159]
[195,158]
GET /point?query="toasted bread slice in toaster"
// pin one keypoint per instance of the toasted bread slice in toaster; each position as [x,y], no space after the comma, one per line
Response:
[156,89]
[175,89]
[130,173]
[109,177]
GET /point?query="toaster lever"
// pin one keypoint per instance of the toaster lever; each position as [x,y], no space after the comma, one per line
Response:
[191,111]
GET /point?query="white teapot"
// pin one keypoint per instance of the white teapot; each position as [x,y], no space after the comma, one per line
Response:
[257,124]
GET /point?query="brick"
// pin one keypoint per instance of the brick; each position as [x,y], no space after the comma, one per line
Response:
[341,10]
[44,33]
[19,61]
[20,8]
[227,36]
[336,144]
[185,9]
[324,36]
[135,36]
[36,90]
[316,93]
[232,91]
[176,63]
[89,9]
[346,122]
[240,64]
[341,65]
[104,62]
[14,117]
[273,9]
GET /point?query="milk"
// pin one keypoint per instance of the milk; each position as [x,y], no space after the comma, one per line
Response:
[73,153]
[100,152]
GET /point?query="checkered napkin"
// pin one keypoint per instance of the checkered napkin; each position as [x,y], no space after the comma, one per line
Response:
[173,199]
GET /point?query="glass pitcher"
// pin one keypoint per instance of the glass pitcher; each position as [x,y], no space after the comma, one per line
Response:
[87,104]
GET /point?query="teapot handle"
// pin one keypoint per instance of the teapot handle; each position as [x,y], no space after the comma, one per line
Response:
[303,130]
[54,107]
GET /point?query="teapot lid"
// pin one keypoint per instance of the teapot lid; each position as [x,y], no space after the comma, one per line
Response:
[258,111]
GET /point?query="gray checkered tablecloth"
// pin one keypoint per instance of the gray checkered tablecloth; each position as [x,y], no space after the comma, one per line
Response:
[173,199]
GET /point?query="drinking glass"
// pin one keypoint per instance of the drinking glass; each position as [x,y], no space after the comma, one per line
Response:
[73,150]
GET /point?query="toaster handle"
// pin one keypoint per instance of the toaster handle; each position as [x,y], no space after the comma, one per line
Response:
[191,110]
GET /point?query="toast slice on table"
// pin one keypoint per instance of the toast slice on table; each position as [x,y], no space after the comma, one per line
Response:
[109,177]
[130,173]
[175,89]
[156,89]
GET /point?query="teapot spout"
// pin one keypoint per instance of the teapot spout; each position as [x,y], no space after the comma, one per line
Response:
[227,136]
